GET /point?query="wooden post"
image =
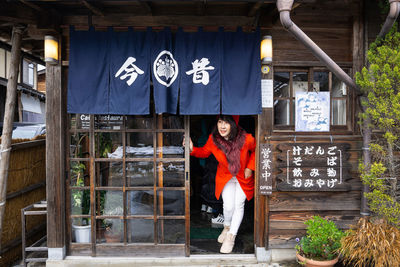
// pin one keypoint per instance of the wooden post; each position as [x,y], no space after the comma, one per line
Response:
[55,161]
[264,131]
[9,118]
[358,63]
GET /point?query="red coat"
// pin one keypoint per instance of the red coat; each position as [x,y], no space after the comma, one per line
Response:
[247,160]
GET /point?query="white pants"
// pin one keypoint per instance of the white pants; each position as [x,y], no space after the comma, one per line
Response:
[234,198]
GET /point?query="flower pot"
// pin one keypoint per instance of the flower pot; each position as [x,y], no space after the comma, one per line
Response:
[82,233]
[316,263]
[112,238]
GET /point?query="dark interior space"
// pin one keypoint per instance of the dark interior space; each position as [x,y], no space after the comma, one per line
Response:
[204,207]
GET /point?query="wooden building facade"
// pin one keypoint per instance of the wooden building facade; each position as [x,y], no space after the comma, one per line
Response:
[312,173]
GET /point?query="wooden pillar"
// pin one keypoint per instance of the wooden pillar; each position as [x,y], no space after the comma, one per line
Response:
[263,132]
[358,63]
[9,118]
[55,165]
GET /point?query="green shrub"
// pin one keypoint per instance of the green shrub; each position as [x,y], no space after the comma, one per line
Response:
[322,240]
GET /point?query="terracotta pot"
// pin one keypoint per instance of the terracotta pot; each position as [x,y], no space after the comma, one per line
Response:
[315,263]
[112,238]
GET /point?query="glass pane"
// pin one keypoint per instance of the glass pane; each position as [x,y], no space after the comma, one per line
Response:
[139,122]
[171,174]
[292,120]
[79,145]
[72,120]
[339,88]
[140,231]
[100,231]
[109,145]
[109,122]
[114,230]
[109,174]
[300,82]
[140,173]
[81,230]
[3,63]
[171,146]
[139,145]
[140,202]
[321,81]
[339,112]
[171,202]
[79,173]
[80,202]
[172,121]
[110,203]
[281,84]
[171,231]
[281,112]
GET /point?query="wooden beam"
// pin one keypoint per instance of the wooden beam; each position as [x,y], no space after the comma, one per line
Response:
[146,6]
[255,8]
[33,6]
[9,109]
[160,21]
[92,8]
[201,8]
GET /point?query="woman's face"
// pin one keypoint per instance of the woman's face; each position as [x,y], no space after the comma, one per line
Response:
[224,128]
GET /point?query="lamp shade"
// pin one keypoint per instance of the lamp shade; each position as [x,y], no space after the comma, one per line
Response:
[50,49]
[266,49]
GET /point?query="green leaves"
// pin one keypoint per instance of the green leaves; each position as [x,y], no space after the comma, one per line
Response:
[380,83]
[322,239]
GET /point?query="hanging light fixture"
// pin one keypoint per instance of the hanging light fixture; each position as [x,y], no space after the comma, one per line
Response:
[266,49]
[50,49]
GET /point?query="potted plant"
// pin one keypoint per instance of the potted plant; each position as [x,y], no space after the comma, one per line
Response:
[80,204]
[320,246]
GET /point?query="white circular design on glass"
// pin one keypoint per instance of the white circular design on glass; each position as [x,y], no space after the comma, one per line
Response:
[165,66]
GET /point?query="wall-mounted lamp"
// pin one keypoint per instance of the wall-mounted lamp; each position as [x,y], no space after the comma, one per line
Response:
[50,49]
[266,49]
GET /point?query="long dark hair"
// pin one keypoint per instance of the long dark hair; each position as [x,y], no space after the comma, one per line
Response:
[229,119]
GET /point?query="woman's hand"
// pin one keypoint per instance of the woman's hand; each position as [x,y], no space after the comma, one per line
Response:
[248,173]
[190,144]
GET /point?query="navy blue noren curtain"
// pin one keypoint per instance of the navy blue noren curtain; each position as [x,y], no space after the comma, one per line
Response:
[130,73]
[200,62]
[88,75]
[109,72]
[241,76]
[165,71]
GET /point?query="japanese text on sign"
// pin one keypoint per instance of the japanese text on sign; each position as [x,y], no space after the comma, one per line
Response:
[326,176]
[265,180]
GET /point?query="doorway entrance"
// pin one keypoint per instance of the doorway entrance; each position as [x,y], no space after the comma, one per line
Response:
[136,191]
[206,212]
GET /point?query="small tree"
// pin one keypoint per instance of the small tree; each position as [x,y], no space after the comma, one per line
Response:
[380,83]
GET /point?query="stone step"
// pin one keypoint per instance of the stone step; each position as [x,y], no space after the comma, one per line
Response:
[192,261]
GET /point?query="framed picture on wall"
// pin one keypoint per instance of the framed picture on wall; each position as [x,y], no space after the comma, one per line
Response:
[312,111]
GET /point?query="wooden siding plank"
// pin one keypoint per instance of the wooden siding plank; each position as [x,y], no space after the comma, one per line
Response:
[295,220]
[314,201]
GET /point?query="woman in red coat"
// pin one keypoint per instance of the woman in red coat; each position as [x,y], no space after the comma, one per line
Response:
[234,150]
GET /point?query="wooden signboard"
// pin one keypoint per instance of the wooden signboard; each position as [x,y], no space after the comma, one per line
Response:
[313,167]
[265,177]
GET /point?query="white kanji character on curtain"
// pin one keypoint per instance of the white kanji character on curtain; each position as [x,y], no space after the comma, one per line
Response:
[199,71]
[130,69]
